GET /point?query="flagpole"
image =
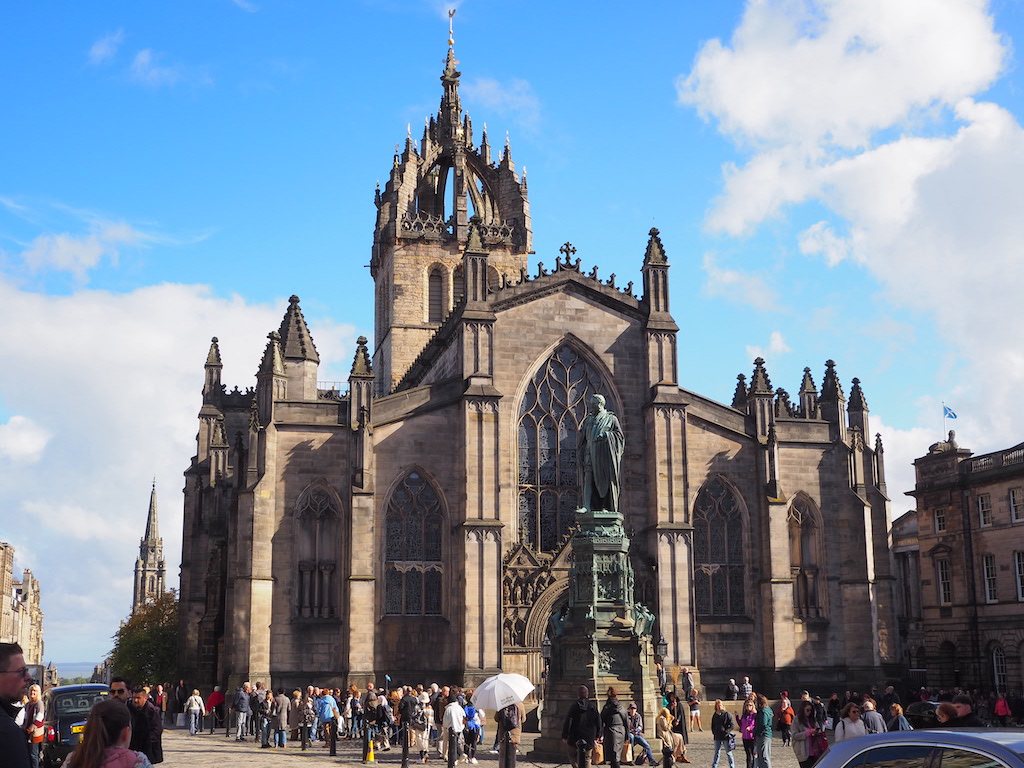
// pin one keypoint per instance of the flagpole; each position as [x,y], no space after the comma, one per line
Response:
[943,419]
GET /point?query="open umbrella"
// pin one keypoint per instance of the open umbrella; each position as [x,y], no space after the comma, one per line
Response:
[499,691]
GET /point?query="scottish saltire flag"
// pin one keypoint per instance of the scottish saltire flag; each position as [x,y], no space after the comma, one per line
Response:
[948,413]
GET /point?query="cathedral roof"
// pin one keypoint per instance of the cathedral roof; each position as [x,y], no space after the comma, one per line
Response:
[296,343]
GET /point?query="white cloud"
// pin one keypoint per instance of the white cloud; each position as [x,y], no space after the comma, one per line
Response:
[868,109]
[105,49]
[78,254]
[741,287]
[513,100]
[246,6]
[776,346]
[117,378]
[146,70]
[22,440]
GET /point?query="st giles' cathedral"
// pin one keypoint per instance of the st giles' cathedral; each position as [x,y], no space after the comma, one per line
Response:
[419,524]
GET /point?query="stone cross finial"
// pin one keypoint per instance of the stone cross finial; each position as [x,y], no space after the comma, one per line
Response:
[567,249]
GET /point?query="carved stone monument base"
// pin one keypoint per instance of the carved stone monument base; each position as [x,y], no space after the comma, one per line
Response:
[604,640]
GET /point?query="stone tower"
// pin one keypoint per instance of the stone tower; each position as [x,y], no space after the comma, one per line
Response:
[149,566]
[423,224]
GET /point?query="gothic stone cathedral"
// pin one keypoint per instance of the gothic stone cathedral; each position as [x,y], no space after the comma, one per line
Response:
[418,524]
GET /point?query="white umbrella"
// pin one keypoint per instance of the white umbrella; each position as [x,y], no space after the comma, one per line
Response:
[499,691]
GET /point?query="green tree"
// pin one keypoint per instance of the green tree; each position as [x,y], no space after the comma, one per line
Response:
[146,645]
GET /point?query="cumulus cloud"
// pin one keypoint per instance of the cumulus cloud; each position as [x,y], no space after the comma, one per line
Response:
[776,346]
[22,440]
[736,285]
[147,70]
[115,380]
[78,254]
[105,49]
[870,111]
[513,100]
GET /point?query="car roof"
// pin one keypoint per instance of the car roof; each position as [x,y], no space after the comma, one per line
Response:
[80,687]
[1007,743]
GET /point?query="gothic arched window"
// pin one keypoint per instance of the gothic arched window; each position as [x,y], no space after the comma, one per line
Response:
[413,565]
[435,296]
[718,551]
[553,407]
[317,518]
[804,562]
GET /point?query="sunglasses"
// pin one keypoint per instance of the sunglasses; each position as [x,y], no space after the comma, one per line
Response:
[23,672]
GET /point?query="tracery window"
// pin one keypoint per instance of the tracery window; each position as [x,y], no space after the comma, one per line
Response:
[317,517]
[413,566]
[718,551]
[435,296]
[553,407]
[805,568]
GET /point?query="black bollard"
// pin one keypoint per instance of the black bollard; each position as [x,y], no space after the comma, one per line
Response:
[508,752]
[405,745]
[304,736]
[333,727]
[452,748]
[366,742]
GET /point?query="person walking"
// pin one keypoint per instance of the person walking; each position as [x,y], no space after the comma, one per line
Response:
[723,730]
[147,728]
[873,720]
[582,728]
[897,721]
[763,733]
[785,718]
[614,727]
[808,739]
[748,724]
[105,741]
[196,709]
[33,724]
[509,732]
[850,726]
[215,706]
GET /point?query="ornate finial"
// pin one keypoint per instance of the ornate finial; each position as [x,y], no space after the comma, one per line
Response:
[293,299]
[508,141]
[214,340]
[568,250]
[451,28]
[408,130]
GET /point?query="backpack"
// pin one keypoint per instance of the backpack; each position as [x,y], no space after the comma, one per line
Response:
[384,713]
[510,717]
[419,718]
[471,717]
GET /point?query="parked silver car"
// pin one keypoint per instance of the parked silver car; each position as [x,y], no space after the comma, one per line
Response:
[939,748]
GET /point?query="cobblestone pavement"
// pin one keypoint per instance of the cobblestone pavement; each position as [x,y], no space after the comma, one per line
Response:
[218,751]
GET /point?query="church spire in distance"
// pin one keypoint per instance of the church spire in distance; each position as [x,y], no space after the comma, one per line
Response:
[149,566]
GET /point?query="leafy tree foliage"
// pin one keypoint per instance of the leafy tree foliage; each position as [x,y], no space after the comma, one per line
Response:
[146,645]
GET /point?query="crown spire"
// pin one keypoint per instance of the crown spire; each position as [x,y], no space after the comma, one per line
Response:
[857,399]
[213,356]
[152,528]
[739,398]
[759,382]
[361,362]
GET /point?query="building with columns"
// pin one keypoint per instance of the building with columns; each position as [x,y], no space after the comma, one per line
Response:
[150,572]
[418,523]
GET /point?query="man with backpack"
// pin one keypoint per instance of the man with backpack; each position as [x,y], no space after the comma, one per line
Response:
[509,731]
[582,728]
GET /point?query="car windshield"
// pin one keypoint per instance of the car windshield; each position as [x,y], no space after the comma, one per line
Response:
[74,703]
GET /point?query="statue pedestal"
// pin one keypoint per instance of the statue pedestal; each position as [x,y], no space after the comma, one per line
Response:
[604,640]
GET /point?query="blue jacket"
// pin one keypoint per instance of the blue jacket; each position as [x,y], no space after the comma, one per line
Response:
[241,702]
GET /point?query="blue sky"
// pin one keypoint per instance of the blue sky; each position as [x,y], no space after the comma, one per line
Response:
[836,179]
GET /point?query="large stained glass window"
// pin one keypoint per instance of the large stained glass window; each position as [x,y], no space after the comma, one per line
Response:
[804,546]
[718,577]
[413,567]
[553,407]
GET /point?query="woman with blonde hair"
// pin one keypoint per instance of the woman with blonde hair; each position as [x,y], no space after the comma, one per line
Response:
[671,739]
[33,724]
[108,731]
[196,709]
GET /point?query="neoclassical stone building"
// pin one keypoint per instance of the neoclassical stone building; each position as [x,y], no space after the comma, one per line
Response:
[417,524]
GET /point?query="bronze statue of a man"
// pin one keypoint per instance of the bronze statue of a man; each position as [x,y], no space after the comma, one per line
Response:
[599,450]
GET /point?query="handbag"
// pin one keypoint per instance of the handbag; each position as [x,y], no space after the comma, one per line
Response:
[732,742]
[597,754]
[627,752]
